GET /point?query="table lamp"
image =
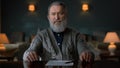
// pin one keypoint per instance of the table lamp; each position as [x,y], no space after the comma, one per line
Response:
[3,40]
[111,37]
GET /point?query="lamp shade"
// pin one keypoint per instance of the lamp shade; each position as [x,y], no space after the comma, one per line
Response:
[111,37]
[3,38]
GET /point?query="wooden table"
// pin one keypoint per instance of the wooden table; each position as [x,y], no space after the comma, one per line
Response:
[36,64]
[107,56]
[8,58]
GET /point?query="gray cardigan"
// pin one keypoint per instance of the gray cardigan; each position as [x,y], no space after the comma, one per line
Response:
[46,46]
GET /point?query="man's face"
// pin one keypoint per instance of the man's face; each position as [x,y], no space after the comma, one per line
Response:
[57,18]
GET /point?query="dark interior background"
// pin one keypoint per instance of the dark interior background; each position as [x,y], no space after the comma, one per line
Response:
[103,16]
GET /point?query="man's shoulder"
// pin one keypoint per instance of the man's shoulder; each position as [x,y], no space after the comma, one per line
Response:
[44,31]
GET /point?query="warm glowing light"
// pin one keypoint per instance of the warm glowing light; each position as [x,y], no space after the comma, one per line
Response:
[112,47]
[31,7]
[2,48]
[85,7]
[3,38]
[111,37]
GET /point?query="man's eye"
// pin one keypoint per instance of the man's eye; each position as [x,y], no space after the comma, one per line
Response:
[61,13]
[53,14]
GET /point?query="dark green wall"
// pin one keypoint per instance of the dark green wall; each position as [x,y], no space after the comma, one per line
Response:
[0,16]
[103,16]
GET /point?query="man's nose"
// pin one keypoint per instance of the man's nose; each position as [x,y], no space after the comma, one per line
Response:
[56,16]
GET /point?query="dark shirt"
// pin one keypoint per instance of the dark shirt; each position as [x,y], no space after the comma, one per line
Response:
[59,38]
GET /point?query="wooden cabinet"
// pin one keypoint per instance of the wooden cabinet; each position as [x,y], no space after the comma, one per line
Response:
[107,56]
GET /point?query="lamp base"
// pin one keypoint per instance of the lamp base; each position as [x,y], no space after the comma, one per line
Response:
[112,53]
[2,48]
[112,49]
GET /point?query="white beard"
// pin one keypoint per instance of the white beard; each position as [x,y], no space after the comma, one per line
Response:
[59,28]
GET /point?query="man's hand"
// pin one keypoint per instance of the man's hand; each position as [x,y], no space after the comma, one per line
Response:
[85,56]
[30,56]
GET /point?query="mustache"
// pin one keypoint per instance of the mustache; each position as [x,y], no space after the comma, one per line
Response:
[57,21]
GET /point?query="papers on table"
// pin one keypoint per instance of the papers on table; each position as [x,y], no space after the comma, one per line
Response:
[59,63]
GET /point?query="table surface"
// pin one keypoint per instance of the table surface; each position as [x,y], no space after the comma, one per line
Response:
[36,64]
[106,55]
